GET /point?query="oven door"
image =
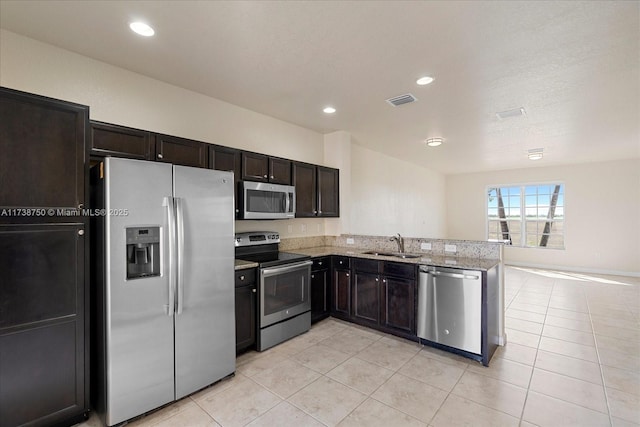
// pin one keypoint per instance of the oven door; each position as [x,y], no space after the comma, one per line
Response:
[262,200]
[284,292]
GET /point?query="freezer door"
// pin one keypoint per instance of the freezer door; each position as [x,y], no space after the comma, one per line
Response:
[205,308]
[138,324]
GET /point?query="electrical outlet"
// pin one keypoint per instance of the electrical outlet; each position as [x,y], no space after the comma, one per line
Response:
[289,229]
[450,248]
[425,246]
[350,241]
[303,228]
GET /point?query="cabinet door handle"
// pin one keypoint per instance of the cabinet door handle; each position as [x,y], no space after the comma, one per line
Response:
[347,274]
[81,205]
[159,155]
[319,262]
[384,280]
[315,212]
[80,232]
[271,177]
[377,280]
[313,276]
[319,212]
[241,278]
[265,176]
[253,290]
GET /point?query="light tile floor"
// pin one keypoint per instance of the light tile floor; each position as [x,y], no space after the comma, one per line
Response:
[572,359]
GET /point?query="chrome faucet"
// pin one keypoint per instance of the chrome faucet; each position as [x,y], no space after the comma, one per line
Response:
[400,241]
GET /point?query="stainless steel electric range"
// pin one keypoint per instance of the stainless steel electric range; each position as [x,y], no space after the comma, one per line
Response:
[284,305]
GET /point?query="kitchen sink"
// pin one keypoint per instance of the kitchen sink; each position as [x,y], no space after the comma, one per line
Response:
[394,254]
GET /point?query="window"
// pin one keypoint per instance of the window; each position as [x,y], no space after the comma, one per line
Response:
[529,216]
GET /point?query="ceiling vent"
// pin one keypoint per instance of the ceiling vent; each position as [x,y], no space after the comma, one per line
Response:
[516,112]
[402,99]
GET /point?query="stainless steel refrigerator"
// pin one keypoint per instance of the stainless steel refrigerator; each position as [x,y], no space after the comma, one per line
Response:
[163,263]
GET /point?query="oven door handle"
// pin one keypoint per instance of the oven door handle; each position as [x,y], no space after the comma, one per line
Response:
[267,272]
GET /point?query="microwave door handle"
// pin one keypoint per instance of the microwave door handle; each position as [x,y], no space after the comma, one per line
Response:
[287,204]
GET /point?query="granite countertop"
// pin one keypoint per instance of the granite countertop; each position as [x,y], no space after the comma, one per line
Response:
[241,265]
[482,264]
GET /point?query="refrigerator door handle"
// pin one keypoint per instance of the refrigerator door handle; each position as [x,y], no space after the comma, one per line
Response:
[180,257]
[171,227]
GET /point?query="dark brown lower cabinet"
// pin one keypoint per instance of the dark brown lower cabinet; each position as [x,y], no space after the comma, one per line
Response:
[365,297]
[378,294]
[320,289]
[399,304]
[341,288]
[246,310]
[43,357]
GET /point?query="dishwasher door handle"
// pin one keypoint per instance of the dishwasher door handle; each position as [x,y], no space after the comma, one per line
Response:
[453,275]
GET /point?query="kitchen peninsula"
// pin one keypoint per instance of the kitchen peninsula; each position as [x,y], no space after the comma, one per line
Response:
[365,281]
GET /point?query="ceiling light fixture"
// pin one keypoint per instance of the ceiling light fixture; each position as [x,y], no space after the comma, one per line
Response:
[329,110]
[516,112]
[424,80]
[142,29]
[434,142]
[535,154]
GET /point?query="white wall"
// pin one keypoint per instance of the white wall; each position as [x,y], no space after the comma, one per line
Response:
[122,97]
[602,214]
[391,196]
[119,96]
[337,154]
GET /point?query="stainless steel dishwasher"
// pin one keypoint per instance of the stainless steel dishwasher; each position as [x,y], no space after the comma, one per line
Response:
[450,307]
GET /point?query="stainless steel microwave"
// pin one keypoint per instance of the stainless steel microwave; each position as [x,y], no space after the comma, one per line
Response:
[261,200]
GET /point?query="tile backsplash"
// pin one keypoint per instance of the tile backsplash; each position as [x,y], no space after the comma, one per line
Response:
[459,248]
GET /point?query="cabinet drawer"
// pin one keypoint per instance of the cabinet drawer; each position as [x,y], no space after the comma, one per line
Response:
[368,265]
[245,277]
[343,262]
[400,269]
[320,263]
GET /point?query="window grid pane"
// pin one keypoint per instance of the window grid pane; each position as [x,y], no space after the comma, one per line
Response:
[527,211]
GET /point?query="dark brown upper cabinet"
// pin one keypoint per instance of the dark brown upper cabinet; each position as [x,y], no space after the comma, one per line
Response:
[262,168]
[120,141]
[328,192]
[304,179]
[255,167]
[42,141]
[225,159]
[180,151]
[317,190]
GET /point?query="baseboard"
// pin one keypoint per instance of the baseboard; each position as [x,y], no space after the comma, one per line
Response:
[575,269]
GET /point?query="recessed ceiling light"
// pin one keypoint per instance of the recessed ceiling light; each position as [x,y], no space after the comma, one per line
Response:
[424,80]
[434,142]
[329,110]
[535,154]
[142,29]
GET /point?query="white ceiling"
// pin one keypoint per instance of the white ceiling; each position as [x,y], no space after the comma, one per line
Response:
[573,66]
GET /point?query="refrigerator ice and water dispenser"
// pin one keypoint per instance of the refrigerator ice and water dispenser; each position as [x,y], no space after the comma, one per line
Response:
[143,252]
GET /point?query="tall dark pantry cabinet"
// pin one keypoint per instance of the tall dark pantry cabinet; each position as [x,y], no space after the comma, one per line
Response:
[44,358]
